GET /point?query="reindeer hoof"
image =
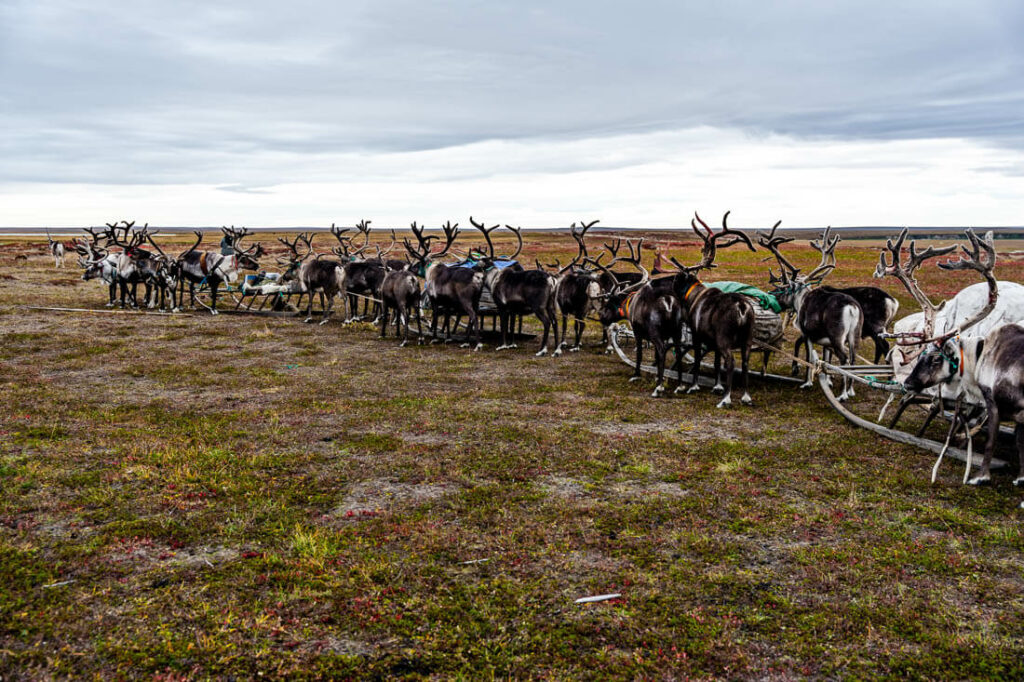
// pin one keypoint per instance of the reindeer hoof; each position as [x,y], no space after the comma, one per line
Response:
[725,402]
[718,388]
[478,347]
[1019,480]
[632,379]
[747,400]
[658,390]
[541,353]
[323,322]
[806,384]
[680,389]
[693,389]
[462,345]
[308,320]
[557,353]
[214,312]
[979,480]
[576,349]
[609,350]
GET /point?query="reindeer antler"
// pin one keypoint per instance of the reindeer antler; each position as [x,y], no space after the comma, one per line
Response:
[518,231]
[972,260]
[487,235]
[635,257]
[788,271]
[711,245]
[904,272]
[827,248]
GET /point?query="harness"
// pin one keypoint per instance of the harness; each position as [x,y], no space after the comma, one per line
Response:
[689,291]
[626,304]
[956,364]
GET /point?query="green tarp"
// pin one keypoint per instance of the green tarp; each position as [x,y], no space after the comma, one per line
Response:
[763,297]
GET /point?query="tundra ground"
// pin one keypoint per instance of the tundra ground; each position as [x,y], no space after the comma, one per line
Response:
[195,496]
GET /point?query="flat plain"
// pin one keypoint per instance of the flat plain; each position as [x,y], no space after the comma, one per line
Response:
[188,496]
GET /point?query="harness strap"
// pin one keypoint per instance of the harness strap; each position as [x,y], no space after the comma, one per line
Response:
[627,303]
[690,290]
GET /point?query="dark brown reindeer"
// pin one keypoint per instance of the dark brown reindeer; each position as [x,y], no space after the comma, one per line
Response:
[577,288]
[652,309]
[364,275]
[824,316]
[314,274]
[719,321]
[400,291]
[879,307]
[518,292]
[449,289]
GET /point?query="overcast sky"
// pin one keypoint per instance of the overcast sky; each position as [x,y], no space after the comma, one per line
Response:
[536,113]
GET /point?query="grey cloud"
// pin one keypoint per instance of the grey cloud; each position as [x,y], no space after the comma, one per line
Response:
[118,92]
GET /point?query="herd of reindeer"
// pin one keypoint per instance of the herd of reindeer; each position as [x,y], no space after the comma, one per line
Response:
[667,306]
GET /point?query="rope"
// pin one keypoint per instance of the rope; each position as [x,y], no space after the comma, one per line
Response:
[820,366]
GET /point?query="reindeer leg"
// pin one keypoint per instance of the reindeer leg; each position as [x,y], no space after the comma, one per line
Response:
[659,363]
[718,388]
[698,355]
[502,316]
[639,356]
[993,433]
[559,342]
[546,321]
[309,309]
[730,368]
[795,370]
[881,346]
[328,309]
[745,369]
[807,381]
[1018,433]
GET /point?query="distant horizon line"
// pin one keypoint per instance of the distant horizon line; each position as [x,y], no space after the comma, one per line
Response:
[31,231]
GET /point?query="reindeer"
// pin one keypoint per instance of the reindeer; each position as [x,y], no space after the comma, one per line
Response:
[165,277]
[134,264]
[213,268]
[612,280]
[363,276]
[982,369]
[827,317]
[879,307]
[516,291]
[97,261]
[577,288]
[653,312]
[719,321]
[448,288]
[56,250]
[981,307]
[314,275]
[400,291]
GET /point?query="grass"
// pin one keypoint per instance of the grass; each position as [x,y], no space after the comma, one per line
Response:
[235,495]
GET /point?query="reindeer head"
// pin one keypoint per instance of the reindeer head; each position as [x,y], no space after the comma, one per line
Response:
[421,255]
[686,277]
[790,282]
[941,359]
[611,306]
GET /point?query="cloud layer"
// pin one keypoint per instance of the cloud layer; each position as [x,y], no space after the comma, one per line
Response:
[258,99]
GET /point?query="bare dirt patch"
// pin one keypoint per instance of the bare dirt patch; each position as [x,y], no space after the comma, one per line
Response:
[383,494]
